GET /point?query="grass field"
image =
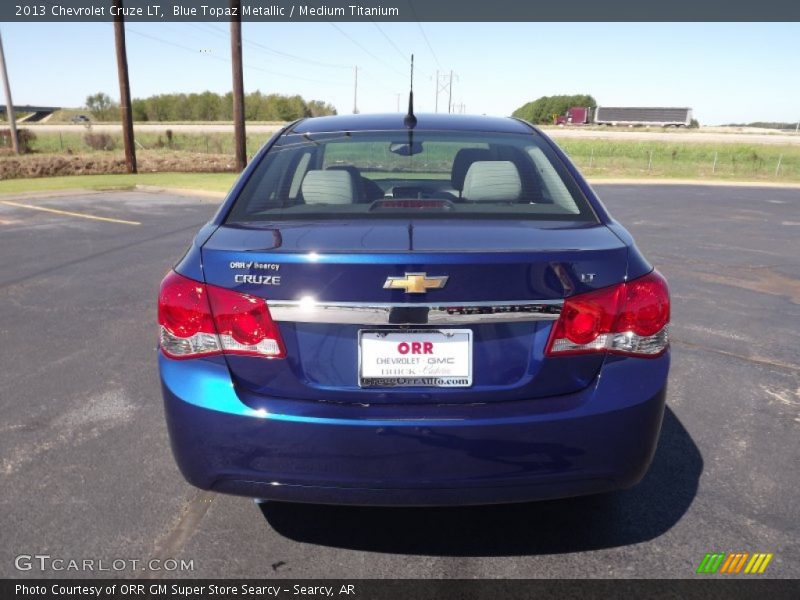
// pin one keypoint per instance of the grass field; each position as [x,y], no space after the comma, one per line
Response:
[209,143]
[685,160]
[65,115]
[597,158]
[212,182]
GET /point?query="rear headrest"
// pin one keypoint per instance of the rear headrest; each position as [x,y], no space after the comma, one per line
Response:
[328,187]
[492,180]
[462,161]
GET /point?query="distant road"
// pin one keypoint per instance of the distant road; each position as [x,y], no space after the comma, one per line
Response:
[153,128]
[707,136]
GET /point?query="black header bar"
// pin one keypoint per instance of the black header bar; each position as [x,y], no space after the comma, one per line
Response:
[405,10]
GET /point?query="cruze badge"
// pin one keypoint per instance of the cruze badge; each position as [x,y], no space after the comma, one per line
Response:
[415,283]
[258,279]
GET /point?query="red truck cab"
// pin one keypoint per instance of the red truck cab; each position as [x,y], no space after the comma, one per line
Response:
[577,115]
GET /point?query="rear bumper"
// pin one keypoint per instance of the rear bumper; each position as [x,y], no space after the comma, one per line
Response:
[599,439]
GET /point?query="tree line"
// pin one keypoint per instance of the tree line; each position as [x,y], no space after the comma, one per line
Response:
[209,106]
[541,111]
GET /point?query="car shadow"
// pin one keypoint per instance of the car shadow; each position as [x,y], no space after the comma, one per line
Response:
[620,518]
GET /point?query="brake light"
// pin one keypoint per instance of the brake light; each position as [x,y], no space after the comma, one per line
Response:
[630,318]
[244,324]
[197,319]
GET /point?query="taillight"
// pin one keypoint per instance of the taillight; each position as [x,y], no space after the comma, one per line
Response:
[197,319]
[631,318]
[244,324]
[187,328]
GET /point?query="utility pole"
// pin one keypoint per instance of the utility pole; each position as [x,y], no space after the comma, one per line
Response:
[12,119]
[436,105]
[450,93]
[124,89]
[441,86]
[398,101]
[239,139]
[355,90]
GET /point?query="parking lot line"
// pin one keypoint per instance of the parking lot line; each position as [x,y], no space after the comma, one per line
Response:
[69,213]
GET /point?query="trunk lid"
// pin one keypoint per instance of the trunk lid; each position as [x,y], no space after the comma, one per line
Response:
[495,263]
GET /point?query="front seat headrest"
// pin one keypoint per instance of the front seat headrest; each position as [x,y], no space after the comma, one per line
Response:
[328,187]
[462,161]
[489,180]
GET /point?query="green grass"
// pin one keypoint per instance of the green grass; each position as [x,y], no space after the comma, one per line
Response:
[207,143]
[685,160]
[213,182]
[596,158]
[65,116]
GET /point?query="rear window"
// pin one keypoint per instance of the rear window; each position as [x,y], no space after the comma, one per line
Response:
[417,174]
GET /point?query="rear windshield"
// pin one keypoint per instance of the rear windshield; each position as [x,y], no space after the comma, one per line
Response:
[415,174]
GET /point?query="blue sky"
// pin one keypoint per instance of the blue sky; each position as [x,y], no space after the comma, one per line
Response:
[736,72]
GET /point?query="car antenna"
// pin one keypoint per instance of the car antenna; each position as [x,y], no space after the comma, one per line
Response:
[410,120]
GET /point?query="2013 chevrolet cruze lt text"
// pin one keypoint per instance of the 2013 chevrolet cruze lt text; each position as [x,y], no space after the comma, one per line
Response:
[428,313]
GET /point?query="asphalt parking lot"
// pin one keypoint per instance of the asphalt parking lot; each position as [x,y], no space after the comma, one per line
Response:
[87,472]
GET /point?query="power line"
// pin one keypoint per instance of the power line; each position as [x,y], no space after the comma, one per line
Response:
[227,61]
[427,41]
[422,31]
[170,43]
[383,62]
[296,58]
[388,39]
[364,72]
[267,49]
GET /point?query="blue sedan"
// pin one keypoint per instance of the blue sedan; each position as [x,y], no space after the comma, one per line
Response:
[439,312]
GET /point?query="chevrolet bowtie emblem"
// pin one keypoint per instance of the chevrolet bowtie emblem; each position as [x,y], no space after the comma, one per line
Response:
[415,283]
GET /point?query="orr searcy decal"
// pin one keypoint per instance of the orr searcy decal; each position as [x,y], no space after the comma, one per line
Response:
[254,279]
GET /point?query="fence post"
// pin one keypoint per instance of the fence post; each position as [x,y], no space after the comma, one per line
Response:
[591,158]
[650,161]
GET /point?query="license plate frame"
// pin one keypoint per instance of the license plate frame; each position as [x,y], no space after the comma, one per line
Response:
[458,377]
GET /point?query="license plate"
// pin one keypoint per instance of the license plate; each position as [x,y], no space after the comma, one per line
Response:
[424,358]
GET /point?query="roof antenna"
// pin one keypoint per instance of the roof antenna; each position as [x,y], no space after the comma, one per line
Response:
[410,120]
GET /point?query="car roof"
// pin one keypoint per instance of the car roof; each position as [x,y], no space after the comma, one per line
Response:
[394,121]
